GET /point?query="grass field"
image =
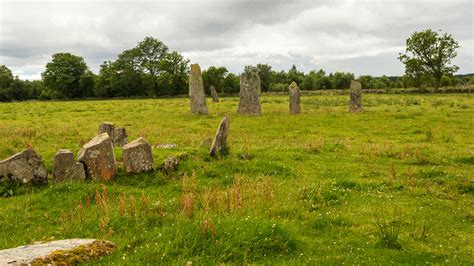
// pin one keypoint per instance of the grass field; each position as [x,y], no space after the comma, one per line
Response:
[391,185]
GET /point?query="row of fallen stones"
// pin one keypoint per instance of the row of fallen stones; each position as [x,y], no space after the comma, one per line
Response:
[250,89]
[96,159]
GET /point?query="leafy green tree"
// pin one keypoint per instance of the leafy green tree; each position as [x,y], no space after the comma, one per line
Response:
[6,78]
[295,75]
[231,83]
[214,76]
[63,74]
[265,73]
[342,80]
[430,52]
[173,79]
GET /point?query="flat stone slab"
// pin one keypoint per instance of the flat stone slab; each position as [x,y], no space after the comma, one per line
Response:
[24,255]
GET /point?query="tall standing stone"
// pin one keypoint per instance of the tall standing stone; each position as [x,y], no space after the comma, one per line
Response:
[98,158]
[196,91]
[65,168]
[249,94]
[215,97]
[26,167]
[137,156]
[295,101]
[355,97]
[219,144]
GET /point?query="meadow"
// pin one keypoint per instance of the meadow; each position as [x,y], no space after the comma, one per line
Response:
[393,184]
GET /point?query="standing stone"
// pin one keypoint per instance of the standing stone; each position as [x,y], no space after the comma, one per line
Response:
[137,156]
[65,168]
[355,97]
[118,136]
[294,98]
[196,91]
[98,157]
[219,144]
[249,94]
[107,127]
[215,97]
[26,167]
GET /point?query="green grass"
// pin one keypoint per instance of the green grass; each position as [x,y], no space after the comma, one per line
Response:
[293,189]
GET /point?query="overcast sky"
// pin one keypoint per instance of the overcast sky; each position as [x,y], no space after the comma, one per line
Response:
[363,37]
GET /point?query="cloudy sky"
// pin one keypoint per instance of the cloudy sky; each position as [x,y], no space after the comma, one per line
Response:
[363,37]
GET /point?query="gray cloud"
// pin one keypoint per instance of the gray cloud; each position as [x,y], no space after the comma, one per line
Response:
[363,37]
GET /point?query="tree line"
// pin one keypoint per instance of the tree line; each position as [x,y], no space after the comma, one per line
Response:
[151,70]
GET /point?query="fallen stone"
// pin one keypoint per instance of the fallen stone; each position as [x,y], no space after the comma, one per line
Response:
[98,158]
[65,168]
[249,94]
[215,97]
[295,101]
[165,146]
[67,251]
[355,97]
[219,144]
[170,165]
[137,156]
[26,167]
[196,91]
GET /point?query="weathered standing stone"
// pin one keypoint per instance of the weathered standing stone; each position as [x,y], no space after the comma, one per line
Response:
[196,91]
[170,164]
[294,98]
[249,94]
[107,127]
[219,144]
[355,97]
[65,168]
[118,136]
[215,97]
[26,167]
[98,158]
[137,156]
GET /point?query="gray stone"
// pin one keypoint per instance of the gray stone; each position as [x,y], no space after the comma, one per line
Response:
[118,136]
[215,97]
[98,158]
[65,168]
[26,167]
[355,97]
[107,127]
[26,255]
[137,156]
[170,164]
[219,144]
[249,94]
[295,101]
[196,91]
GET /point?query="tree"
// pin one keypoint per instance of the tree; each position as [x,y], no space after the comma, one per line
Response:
[231,83]
[63,74]
[265,73]
[432,52]
[214,76]
[342,80]
[173,79]
[295,75]
[6,78]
